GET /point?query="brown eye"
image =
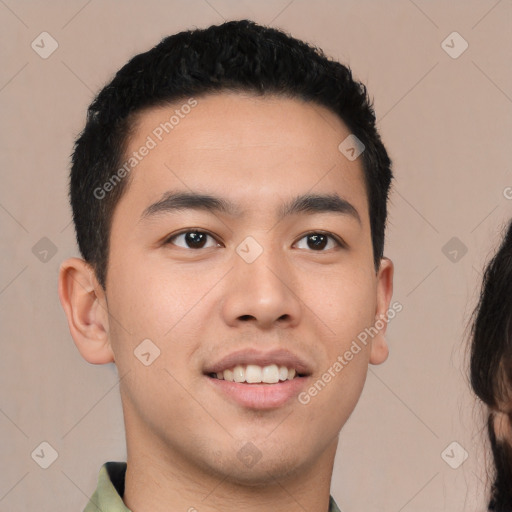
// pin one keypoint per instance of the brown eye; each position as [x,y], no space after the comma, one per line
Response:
[319,241]
[192,239]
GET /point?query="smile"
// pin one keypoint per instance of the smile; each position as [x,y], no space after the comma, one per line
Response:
[254,374]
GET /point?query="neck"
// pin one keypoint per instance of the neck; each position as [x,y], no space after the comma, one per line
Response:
[160,478]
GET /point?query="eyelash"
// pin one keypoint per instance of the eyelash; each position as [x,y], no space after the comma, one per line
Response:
[339,243]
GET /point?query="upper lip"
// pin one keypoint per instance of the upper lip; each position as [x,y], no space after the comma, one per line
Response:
[280,357]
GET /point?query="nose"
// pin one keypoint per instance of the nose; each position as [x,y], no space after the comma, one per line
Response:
[262,292]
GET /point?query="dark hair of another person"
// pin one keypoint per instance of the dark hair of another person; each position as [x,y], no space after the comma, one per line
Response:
[237,56]
[491,365]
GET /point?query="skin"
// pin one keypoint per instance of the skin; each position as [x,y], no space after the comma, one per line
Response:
[197,305]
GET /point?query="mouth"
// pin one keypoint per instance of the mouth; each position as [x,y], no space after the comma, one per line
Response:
[252,386]
[254,379]
[255,374]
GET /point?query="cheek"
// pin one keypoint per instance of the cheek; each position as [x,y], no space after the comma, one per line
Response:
[334,393]
[345,307]
[149,299]
[151,307]
[345,302]
[149,302]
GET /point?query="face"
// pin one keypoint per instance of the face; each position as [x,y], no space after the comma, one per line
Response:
[257,277]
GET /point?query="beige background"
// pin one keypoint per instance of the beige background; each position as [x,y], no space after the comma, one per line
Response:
[447,124]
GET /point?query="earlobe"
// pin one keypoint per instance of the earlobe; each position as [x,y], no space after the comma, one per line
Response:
[379,349]
[82,299]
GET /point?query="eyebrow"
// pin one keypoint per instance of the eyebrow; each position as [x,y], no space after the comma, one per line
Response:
[307,203]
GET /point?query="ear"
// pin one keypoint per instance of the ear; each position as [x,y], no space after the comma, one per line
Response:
[84,302]
[379,349]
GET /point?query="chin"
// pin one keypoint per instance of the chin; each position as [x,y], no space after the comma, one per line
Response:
[251,467]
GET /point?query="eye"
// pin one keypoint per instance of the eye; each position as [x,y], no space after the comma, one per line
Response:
[318,241]
[192,239]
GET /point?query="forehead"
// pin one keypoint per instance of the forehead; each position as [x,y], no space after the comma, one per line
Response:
[251,149]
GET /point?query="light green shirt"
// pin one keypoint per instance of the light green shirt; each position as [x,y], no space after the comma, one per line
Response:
[108,494]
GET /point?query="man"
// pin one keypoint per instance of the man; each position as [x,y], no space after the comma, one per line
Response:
[229,195]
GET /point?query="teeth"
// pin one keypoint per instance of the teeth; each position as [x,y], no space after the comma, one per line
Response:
[270,374]
[253,374]
[239,374]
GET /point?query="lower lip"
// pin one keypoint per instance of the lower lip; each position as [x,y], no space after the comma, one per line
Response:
[260,396]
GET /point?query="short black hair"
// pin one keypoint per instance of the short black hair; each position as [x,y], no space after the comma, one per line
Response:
[491,363]
[239,56]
